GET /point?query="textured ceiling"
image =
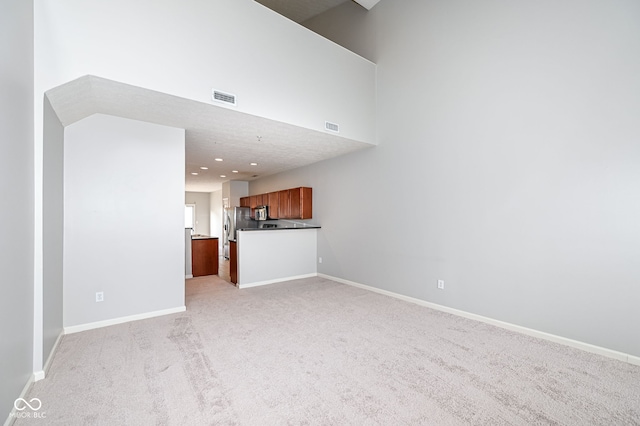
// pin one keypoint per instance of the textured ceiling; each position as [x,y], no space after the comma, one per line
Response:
[211,131]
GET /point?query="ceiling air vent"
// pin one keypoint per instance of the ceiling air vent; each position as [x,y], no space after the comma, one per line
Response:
[332,127]
[225,98]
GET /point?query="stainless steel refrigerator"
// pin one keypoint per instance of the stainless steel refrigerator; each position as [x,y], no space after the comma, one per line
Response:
[236,218]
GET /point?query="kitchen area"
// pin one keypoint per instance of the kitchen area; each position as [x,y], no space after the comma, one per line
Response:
[257,239]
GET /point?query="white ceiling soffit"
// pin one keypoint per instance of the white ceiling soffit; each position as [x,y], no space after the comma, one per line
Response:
[211,131]
[300,10]
[367,4]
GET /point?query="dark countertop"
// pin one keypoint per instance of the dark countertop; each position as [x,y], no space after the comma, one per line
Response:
[280,228]
[202,237]
[276,229]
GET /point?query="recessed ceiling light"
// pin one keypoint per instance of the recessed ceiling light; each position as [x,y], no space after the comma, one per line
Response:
[194,173]
[254,164]
[204,168]
[234,171]
[218,159]
[223,175]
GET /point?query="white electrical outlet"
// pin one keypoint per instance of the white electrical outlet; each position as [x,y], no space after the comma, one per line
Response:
[100,296]
[319,260]
[441,284]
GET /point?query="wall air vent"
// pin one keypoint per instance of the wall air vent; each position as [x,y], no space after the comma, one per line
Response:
[332,127]
[225,98]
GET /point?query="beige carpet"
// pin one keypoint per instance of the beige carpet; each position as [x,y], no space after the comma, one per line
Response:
[321,353]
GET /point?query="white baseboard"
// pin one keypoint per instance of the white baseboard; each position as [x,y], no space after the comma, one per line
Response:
[279,280]
[39,375]
[609,353]
[121,320]
[188,277]
[12,415]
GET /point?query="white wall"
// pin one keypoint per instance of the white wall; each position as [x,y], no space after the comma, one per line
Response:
[16,210]
[271,64]
[53,229]
[215,218]
[349,25]
[203,211]
[234,190]
[507,165]
[265,257]
[124,219]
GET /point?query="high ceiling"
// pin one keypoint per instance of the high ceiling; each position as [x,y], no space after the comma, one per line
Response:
[213,132]
[237,138]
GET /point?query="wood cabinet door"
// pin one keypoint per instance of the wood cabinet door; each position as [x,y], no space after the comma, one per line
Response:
[284,205]
[233,261]
[294,203]
[253,202]
[295,199]
[306,203]
[273,203]
[204,257]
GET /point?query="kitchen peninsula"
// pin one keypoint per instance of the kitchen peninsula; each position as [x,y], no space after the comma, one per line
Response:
[277,251]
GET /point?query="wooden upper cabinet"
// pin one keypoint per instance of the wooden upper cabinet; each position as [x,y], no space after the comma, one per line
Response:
[284,204]
[273,202]
[253,202]
[303,208]
[295,203]
[294,200]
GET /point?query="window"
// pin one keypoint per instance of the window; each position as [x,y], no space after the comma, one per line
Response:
[190,216]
